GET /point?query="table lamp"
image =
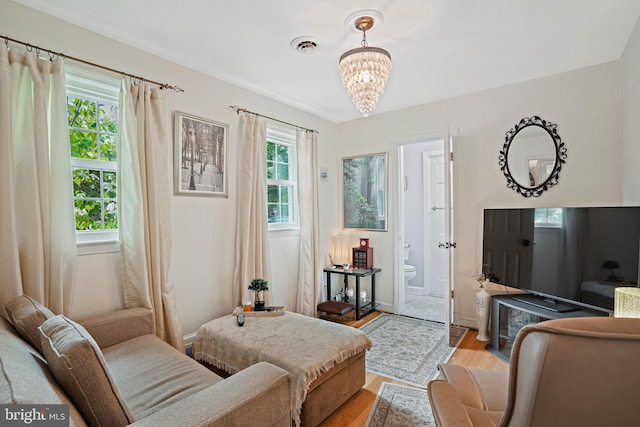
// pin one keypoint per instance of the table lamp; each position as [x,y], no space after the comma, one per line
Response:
[341,249]
[627,302]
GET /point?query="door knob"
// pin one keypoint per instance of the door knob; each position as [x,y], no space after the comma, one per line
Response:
[446,245]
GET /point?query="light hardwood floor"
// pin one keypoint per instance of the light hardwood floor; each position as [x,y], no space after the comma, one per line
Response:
[355,411]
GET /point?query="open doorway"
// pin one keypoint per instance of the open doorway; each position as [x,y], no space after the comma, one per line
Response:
[422,293]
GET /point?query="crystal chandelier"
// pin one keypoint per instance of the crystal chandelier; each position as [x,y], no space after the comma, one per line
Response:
[365,70]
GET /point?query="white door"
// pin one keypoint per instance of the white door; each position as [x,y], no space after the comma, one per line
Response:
[435,259]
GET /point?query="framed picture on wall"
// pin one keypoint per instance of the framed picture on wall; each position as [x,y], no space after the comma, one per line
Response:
[200,157]
[364,192]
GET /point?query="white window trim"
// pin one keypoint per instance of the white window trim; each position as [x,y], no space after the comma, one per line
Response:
[547,225]
[97,247]
[286,137]
[91,85]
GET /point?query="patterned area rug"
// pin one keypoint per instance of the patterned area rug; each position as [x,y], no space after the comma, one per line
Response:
[408,349]
[398,405]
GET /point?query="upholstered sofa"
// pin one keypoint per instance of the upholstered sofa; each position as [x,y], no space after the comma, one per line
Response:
[112,371]
[565,372]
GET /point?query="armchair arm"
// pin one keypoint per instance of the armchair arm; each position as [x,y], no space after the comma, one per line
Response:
[446,405]
[116,327]
[257,395]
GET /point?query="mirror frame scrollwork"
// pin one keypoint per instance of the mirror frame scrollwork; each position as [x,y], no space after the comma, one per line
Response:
[560,156]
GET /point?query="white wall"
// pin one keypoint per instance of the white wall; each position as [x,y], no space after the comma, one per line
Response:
[586,105]
[413,204]
[203,228]
[631,114]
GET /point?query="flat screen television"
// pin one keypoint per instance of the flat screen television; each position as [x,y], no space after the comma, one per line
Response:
[563,257]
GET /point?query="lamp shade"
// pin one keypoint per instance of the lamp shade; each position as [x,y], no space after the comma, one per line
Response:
[341,249]
[627,302]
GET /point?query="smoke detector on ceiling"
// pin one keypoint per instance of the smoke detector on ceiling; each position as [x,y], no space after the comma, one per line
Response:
[305,45]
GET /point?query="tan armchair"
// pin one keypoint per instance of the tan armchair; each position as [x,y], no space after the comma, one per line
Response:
[566,372]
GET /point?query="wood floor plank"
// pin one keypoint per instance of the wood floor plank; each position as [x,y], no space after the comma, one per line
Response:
[355,411]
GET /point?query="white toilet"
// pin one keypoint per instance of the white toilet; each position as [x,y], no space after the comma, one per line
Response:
[409,270]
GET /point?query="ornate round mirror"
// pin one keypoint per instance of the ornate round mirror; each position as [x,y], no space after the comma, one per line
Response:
[532,156]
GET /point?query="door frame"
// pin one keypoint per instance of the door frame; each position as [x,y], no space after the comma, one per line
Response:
[399,291]
[449,143]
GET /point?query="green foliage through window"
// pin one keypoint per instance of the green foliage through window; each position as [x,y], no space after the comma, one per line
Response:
[549,217]
[278,197]
[280,188]
[93,132]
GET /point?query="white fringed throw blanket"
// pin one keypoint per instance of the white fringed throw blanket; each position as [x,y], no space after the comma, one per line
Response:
[304,346]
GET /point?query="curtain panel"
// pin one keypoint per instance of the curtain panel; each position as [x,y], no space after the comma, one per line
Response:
[37,226]
[144,208]
[309,290]
[252,232]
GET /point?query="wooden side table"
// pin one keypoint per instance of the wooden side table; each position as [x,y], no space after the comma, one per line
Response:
[368,307]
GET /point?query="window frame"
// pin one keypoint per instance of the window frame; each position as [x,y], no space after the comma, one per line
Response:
[98,88]
[285,137]
[547,224]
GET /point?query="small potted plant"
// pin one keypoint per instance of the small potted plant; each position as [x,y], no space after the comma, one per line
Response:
[258,286]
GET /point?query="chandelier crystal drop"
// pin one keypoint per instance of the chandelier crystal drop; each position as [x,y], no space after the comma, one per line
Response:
[365,70]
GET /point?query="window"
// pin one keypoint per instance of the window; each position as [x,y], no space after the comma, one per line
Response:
[281,180]
[92,108]
[548,217]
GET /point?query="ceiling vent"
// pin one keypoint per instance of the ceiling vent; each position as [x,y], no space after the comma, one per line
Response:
[305,45]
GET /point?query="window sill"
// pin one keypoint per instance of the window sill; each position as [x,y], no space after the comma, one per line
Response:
[98,247]
[284,232]
[548,226]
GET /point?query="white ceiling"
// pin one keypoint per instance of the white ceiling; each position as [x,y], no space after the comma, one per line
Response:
[439,48]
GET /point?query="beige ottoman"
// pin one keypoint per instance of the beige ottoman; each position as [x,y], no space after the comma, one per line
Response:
[326,359]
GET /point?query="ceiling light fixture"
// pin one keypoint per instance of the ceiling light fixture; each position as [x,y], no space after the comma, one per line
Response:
[365,70]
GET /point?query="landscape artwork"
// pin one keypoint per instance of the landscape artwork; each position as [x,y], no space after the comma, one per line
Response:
[200,158]
[364,195]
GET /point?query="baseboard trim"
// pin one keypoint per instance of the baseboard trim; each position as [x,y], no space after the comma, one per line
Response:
[188,340]
[385,307]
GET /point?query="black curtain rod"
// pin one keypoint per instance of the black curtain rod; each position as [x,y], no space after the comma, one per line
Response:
[244,110]
[53,54]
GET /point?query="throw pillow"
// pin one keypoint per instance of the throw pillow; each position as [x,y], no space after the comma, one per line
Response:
[77,363]
[26,314]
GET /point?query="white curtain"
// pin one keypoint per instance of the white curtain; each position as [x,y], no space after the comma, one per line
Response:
[310,272]
[37,226]
[252,232]
[144,208]
[575,263]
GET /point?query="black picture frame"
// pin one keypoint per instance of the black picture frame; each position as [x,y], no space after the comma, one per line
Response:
[200,156]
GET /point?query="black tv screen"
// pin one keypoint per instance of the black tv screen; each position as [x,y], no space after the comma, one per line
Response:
[571,254]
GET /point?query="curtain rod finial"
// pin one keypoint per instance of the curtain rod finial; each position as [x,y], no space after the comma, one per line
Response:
[237,109]
[171,87]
